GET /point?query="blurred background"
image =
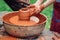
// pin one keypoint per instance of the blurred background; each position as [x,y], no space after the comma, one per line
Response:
[47,11]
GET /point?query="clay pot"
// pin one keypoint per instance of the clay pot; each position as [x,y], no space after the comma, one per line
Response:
[24,31]
[26,13]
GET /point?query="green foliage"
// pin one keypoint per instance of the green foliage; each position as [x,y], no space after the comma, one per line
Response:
[48,12]
[4,6]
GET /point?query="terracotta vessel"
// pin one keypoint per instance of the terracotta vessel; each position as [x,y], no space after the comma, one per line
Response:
[24,31]
[26,13]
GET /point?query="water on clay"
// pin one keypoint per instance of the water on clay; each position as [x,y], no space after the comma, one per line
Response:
[15,20]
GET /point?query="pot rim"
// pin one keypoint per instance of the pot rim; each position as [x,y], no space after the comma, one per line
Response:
[23,26]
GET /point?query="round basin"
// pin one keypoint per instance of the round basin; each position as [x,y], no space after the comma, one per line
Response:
[24,31]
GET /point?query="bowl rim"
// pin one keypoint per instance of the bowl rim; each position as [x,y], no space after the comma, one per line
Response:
[23,26]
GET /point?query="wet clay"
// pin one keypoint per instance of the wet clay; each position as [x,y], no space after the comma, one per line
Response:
[15,20]
[26,13]
[23,17]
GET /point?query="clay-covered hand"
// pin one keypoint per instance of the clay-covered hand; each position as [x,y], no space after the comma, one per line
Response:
[57,36]
[37,5]
[35,8]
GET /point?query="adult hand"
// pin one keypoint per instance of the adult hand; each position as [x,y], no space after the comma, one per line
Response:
[57,36]
[35,8]
[38,4]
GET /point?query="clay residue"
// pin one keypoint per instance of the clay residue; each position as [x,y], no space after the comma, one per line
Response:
[15,20]
[12,18]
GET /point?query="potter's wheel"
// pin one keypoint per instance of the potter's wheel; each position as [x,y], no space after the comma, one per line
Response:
[15,20]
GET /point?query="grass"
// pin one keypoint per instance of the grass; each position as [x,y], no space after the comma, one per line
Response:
[47,11]
[4,6]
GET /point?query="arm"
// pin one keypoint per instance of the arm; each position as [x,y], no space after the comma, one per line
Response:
[46,4]
[38,2]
